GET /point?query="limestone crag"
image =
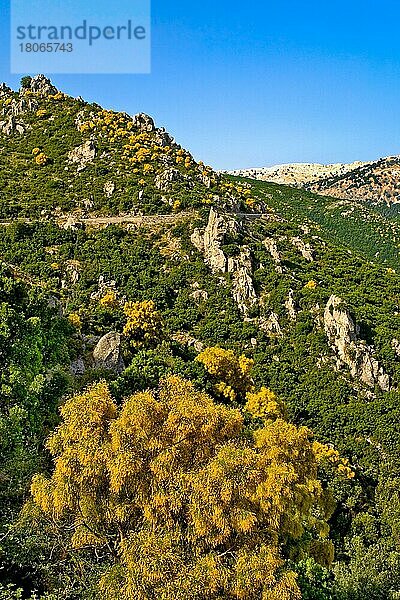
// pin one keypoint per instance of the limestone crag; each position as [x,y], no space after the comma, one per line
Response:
[108,353]
[242,284]
[41,85]
[342,334]
[270,245]
[209,243]
[12,125]
[305,249]
[82,155]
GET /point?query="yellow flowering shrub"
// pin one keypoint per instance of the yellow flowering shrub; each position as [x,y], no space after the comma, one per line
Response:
[181,502]
[109,300]
[75,320]
[41,159]
[36,151]
[329,457]
[264,405]
[232,374]
[144,323]
[311,285]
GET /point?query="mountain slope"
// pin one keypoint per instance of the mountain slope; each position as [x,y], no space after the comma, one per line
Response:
[376,182]
[303,284]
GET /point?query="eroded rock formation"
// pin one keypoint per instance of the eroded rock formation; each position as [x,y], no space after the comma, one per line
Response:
[342,334]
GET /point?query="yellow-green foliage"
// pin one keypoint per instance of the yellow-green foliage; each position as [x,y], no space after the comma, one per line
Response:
[232,373]
[264,405]
[75,320]
[184,504]
[328,457]
[41,159]
[144,322]
[109,300]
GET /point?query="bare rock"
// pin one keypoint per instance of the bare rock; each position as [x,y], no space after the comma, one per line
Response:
[20,105]
[197,239]
[82,155]
[198,294]
[291,306]
[272,248]
[342,334]
[396,346]
[163,181]
[144,123]
[305,249]
[107,353]
[109,189]
[271,325]
[11,125]
[40,84]
[71,224]
[163,139]
[242,286]
[5,91]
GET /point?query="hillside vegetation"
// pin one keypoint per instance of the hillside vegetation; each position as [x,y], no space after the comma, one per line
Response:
[200,373]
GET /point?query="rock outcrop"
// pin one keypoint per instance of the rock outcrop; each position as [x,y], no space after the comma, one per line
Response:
[19,106]
[109,189]
[291,306]
[40,85]
[164,180]
[342,334]
[242,284]
[270,245]
[304,249]
[144,123]
[12,125]
[5,91]
[107,353]
[82,155]
[271,325]
[209,243]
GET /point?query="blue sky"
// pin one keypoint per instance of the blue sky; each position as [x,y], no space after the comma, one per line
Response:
[259,83]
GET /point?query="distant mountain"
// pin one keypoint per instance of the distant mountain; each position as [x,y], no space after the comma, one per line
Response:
[377,181]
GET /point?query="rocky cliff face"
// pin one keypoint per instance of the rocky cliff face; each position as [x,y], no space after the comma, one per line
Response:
[352,352]
[209,242]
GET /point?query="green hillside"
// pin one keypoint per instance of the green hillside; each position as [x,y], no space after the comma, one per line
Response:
[304,286]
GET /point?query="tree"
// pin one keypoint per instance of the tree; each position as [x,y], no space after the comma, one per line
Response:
[26,82]
[182,498]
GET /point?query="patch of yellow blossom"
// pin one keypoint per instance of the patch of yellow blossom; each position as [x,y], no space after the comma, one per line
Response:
[233,373]
[41,159]
[264,405]
[109,300]
[75,320]
[184,504]
[144,323]
[311,285]
[326,455]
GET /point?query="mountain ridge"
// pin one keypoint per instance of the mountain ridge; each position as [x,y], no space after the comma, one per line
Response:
[375,181]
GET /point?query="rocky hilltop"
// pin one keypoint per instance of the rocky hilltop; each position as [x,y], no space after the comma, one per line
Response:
[377,182]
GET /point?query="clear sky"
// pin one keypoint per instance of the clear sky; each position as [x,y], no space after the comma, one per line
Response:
[245,84]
